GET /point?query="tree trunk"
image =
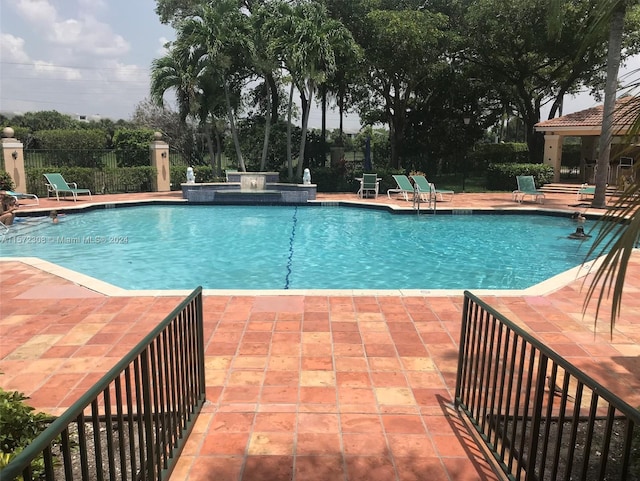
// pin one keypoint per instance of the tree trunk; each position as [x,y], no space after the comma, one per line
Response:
[323,131]
[212,153]
[267,132]
[305,123]
[232,124]
[275,98]
[218,151]
[289,112]
[606,134]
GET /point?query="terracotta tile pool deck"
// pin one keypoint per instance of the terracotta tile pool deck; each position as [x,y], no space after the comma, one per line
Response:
[312,387]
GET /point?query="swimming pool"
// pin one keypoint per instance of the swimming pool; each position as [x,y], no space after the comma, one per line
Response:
[288,247]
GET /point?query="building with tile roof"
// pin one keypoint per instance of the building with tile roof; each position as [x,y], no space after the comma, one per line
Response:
[587,125]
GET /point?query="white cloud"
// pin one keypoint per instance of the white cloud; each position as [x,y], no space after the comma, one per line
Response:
[12,49]
[87,35]
[50,70]
[38,12]
[84,34]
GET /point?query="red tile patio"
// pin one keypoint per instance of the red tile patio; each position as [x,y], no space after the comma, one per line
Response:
[307,387]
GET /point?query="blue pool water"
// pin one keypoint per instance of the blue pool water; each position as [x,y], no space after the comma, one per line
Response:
[286,247]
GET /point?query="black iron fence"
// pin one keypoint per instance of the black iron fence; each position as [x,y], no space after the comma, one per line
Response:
[540,416]
[134,422]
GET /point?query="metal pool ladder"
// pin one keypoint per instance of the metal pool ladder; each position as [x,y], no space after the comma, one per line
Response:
[431,200]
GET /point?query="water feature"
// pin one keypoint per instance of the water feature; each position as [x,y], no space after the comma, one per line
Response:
[249,188]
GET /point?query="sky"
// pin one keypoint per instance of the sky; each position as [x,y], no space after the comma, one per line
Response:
[92,58]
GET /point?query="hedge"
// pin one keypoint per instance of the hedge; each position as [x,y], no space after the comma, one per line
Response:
[508,153]
[503,176]
[105,181]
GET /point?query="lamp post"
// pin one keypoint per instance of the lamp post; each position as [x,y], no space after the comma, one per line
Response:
[467,120]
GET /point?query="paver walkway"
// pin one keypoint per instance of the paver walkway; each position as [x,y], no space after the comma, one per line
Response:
[304,387]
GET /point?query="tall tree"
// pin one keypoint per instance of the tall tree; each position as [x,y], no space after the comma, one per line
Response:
[400,49]
[307,43]
[223,32]
[509,41]
[620,226]
[616,28]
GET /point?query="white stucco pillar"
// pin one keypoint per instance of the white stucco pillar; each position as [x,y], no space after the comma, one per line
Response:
[160,160]
[553,153]
[13,157]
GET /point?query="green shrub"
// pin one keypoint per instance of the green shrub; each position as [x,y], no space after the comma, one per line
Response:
[77,148]
[503,176]
[132,147]
[6,182]
[20,424]
[106,181]
[487,154]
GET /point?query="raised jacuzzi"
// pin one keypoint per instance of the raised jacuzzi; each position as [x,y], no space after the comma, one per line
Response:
[249,188]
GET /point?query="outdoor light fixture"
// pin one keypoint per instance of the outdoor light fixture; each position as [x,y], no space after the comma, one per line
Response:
[466,120]
[14,154]
[163,154]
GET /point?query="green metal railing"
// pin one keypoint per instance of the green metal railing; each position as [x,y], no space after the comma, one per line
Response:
[134,422]
[540,416]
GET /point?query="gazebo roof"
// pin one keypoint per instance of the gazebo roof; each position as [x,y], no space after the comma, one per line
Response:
[589,121]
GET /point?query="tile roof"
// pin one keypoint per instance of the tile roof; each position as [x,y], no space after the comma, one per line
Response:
[627,109]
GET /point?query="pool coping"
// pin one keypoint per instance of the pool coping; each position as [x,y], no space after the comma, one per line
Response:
[37,211]
[545,287]
[542,288]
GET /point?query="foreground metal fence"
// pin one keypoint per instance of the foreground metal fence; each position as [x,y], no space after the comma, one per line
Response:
[134,422]
[540,416]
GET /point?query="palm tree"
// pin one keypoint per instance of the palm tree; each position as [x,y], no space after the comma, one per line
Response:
[175,71]
[620,227]
[307,42]
[222,32]
[616,27]
[182,71]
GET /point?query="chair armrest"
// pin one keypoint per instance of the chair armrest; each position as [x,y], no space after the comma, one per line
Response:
[75,186]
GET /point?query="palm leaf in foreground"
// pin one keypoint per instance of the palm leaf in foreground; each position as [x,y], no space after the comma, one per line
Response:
[618,234]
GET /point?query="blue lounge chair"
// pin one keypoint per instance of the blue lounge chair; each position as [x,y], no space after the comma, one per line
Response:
[426,188]
[527,186]
[21,196]
[56,184]
[586,190]
[405,187]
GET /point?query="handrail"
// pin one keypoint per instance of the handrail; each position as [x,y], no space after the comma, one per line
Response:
[417,197]
[539,415]
[157,390]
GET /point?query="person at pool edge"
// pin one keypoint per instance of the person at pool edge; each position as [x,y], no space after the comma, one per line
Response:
[54,216]
[9,206]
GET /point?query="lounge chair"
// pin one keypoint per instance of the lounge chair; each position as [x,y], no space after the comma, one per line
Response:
[426,188]
[56,184]
[527,186]
[21,196]
[369,183]
[405,187]
[586,190]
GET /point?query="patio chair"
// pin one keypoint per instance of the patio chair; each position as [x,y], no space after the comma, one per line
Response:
[426,188]
[22,196]
[368,184]
[405,187]
[527,186]
[586,190]
[56,184]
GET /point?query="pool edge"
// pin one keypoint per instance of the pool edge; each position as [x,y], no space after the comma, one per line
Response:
[542,288]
